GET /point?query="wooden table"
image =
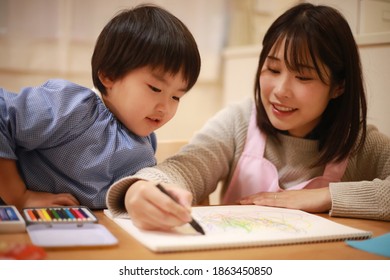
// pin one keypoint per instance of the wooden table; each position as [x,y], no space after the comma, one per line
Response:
[129,248]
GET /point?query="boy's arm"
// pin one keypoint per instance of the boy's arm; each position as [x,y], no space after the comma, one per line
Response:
[12,187]
[13,190]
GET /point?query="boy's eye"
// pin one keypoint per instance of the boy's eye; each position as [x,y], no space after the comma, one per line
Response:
[154,88]
[176,98]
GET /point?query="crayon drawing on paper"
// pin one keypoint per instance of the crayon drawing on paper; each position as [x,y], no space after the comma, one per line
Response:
[229,226]
[253,221]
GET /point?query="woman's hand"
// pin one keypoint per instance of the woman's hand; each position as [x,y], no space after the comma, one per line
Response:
[151,209]
[309,200]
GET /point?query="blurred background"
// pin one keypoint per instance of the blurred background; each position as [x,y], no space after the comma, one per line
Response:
[44,39]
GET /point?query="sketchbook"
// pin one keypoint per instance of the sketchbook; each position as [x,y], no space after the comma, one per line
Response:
[242,226]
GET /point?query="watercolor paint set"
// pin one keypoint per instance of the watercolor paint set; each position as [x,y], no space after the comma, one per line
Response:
[11,220]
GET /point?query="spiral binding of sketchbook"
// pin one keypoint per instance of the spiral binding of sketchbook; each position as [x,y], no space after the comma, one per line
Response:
[243,226]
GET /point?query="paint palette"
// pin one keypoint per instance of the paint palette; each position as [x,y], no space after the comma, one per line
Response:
[11,220]
[59,215]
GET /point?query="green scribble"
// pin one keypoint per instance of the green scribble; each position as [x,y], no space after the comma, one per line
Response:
[255,222]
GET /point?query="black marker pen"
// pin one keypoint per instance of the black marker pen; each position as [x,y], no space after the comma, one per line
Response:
[193,223]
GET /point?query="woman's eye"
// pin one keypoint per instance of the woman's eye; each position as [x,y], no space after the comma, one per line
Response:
[154,89]
[302,78]
[272,70]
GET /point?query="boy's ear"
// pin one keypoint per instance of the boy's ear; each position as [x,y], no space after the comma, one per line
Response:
[338,90]
[106,81]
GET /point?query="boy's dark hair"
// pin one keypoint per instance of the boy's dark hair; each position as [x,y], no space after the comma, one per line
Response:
[321,35]
[147,35]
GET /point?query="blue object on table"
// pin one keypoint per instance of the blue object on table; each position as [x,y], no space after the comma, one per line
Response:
[378,245]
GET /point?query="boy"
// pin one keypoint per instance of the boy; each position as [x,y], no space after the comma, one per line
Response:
[62,144]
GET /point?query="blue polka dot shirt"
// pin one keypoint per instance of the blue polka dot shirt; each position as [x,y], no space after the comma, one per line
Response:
[65,140]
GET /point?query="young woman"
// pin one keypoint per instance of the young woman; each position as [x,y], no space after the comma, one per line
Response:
[303,142]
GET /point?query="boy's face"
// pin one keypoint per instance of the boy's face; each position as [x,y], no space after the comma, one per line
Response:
[145,99]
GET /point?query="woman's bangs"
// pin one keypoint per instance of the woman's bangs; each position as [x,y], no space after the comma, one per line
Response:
[299,55]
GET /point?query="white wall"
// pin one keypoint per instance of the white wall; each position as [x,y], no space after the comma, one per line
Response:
[376,68]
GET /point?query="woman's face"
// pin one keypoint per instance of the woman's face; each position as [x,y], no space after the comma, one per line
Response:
[293,101]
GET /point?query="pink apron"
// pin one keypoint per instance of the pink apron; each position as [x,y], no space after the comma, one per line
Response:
[255,174]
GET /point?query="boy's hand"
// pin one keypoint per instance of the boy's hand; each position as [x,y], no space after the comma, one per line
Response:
[39,199]
[13,190]
[151,209]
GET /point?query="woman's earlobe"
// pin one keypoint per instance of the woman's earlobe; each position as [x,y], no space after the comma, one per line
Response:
[339,90]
